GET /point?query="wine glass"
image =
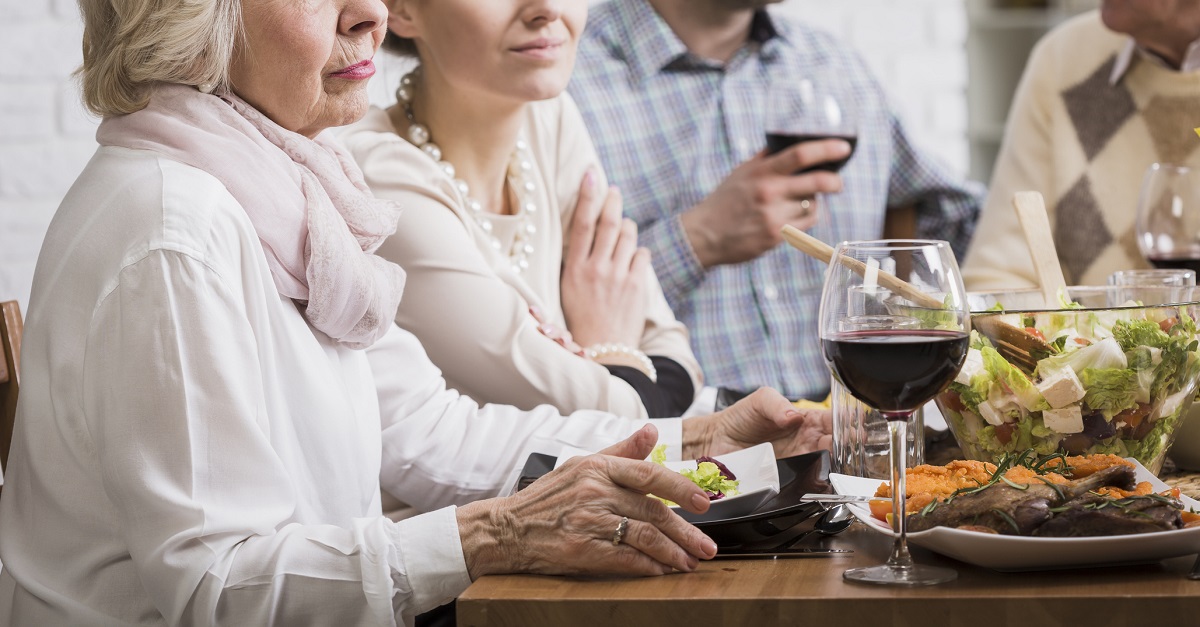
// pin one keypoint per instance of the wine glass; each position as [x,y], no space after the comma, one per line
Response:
[894,329]
[1168,217]
[803,111]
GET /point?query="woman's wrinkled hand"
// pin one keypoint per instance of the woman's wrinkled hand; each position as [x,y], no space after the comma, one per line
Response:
[565,522]
[764,416]
[604,286]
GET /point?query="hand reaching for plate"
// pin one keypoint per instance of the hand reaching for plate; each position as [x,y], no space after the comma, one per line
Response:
[764,416]
[590,517]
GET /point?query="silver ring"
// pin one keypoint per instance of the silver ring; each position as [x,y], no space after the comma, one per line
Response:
[805,208]
[620,532]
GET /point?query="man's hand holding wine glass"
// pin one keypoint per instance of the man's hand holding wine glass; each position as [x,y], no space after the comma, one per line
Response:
[742,218]
[810,136]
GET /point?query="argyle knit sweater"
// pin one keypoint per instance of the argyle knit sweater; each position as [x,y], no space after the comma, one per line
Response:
[1084,142]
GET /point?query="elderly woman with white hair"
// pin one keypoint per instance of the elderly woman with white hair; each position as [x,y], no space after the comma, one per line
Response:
[213,388]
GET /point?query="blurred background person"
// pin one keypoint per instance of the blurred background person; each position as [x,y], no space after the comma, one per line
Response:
[674,93]
[1103,96]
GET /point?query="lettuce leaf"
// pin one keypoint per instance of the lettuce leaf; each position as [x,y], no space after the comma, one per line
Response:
[659,454]
[1111,390]
[1104,354]
[708,476]
[1013,380]
[1134,333]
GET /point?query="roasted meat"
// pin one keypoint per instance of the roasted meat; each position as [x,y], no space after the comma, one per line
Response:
[1095,515]
[1015,511]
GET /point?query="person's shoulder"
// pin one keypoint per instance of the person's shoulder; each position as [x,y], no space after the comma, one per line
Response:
[600,46]
[166,202]
[1085,28]
[138,202]
[1079,39]
[385,157]
[603,18]
[373,136]
[810,45]
[1073,51]
[809,37]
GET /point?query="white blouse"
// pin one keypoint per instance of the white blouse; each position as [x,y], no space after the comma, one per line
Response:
[464,301]
[188,450]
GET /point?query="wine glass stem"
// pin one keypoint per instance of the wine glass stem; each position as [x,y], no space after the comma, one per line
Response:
[898,430]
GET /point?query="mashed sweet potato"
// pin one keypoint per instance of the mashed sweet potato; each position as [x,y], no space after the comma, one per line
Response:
[925,483]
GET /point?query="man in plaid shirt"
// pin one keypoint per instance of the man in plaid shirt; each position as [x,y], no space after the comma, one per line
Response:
[673,92]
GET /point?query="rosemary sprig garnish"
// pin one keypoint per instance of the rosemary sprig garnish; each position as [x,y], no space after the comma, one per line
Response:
[1008,519]
[1027,458]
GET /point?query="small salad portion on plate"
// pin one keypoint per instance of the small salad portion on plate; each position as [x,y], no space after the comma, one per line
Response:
[754,480]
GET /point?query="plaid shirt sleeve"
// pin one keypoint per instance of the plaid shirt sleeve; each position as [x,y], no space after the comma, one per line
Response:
[678,269]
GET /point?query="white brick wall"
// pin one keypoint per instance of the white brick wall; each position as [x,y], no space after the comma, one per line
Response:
[915,46]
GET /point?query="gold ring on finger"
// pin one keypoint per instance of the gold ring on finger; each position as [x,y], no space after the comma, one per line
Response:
[619,534]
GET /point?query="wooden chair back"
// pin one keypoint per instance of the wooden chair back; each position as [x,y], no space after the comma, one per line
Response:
[10,373]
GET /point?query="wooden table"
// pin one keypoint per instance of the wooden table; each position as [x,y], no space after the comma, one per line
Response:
[810,591]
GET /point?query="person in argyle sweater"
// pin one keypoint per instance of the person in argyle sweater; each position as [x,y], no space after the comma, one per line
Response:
[1103,96]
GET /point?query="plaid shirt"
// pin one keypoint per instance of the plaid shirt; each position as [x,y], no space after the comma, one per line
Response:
[669,126]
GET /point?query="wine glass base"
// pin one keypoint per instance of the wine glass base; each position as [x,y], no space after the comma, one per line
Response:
[915,575]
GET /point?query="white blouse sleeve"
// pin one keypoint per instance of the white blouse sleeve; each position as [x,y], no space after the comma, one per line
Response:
[440,448]
[177,423]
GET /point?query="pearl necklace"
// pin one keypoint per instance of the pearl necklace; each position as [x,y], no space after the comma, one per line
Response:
[519,178]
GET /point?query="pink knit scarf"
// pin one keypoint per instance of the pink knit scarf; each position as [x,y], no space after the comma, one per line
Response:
[318,223]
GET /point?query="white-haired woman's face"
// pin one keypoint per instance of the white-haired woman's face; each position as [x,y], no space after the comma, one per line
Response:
[520,49]
[305,63]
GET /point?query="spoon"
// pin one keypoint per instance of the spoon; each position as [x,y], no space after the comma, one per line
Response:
[1019,347]
[817,249]
[1031,212]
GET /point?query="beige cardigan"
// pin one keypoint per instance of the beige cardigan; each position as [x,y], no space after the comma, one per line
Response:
[463,300]
[1084,143]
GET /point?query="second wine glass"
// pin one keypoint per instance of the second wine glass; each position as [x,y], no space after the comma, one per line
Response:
[1168,217]
[894,330]
[804,111]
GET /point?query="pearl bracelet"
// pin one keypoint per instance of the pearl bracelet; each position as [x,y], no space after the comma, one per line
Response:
[596,351]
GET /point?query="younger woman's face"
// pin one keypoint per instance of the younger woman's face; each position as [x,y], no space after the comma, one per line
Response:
[519,49]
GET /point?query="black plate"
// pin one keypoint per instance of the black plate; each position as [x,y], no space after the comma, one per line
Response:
[798,476]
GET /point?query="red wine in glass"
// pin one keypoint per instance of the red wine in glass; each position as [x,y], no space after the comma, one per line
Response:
[1188,261]
[896,370]
[777,141]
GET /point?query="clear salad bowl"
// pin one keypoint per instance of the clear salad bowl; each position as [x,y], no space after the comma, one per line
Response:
[1112,371]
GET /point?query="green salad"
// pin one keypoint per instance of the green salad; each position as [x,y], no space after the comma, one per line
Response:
[1114,381]
[711,475]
